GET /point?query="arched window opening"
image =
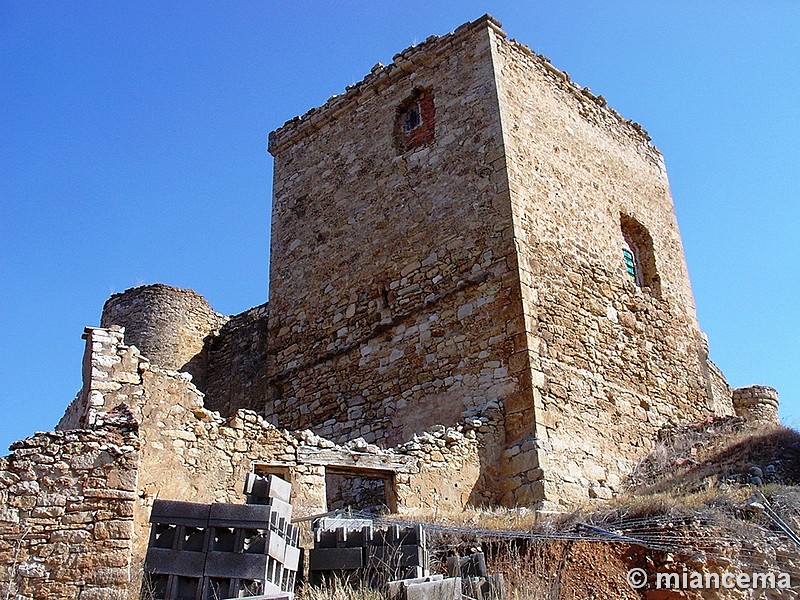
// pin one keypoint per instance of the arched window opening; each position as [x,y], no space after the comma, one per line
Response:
[638,257]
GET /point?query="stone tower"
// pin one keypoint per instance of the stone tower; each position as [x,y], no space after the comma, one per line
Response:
[168,325]
[467,232]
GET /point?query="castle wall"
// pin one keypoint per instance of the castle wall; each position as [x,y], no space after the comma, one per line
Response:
[237,359]
[393,305]
[189,453]
[168,325]
[186,452]
[111,376]
[66,516]
[758,404]
[611,360]
[721,392]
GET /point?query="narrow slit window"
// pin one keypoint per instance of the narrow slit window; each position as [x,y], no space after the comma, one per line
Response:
[630,258]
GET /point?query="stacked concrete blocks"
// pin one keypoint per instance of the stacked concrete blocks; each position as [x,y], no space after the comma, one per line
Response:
[206,551]
[373,555]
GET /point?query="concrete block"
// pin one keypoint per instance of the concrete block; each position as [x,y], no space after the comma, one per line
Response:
[351,538]
[335,559]
[395,556]
[239,566]
[275,546]
[267,486]
[284,509]
[325,539]
[175,562]
[443,589]
[473,565]
[180,513]
[333,523]
[394,589]
[279,489]
[396,535]
[250,516]
[291,559]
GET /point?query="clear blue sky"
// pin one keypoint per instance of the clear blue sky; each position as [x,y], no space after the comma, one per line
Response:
[134,134]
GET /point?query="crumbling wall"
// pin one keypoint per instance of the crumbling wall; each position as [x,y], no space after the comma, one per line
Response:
[66,515]
[439,470]
[189,453]
[194,455]
[111,376]
[758,404]
[611,359]
[449,468]
[237,363]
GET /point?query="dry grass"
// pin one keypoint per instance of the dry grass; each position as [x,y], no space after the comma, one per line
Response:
[338,591]
[717,454]
[695,482]
[498,518]
[529,571]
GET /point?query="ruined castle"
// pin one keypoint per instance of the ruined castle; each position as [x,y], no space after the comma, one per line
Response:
[478,295]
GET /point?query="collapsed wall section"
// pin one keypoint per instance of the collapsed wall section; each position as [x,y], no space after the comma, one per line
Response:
[66,515]
[112,375]
[392,283]
[615,349]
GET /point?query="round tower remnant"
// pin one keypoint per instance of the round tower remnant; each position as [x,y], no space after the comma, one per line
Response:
[757,404]
[168,325]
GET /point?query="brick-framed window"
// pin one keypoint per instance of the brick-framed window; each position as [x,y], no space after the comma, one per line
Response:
[415,121]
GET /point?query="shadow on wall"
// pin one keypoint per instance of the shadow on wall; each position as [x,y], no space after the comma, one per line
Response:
[197,366]
[236,363]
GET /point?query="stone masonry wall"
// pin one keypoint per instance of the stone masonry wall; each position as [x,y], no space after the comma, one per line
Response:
[187,452]
[393,303]
[111,376]
[449,473]
[66,515]
[758,404]
[190,453]
[610,361]
[720,391]
[237,363]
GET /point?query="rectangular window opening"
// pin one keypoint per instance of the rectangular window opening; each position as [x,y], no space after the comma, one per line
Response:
[360,490]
